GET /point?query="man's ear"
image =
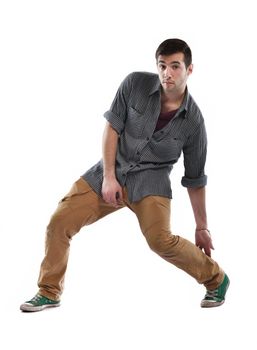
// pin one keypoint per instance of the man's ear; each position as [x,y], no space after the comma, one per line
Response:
[190,69]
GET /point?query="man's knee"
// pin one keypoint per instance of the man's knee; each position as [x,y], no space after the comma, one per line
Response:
[160,241]
[61,225]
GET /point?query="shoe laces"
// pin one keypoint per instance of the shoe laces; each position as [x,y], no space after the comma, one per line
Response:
[36,298]
[211,293]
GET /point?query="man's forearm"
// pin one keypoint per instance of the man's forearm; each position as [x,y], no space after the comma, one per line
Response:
[197,198]
[109,150]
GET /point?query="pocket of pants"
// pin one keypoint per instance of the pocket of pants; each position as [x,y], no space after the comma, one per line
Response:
[79,188]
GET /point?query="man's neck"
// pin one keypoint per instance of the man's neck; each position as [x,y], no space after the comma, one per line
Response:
[171,101]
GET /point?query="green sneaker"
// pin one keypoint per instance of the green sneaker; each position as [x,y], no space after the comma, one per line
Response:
[39,303]
[216,297]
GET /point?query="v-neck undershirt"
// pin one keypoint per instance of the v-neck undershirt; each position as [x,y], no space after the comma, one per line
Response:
[164,119]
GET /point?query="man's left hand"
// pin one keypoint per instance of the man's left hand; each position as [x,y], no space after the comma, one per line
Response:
[203,241]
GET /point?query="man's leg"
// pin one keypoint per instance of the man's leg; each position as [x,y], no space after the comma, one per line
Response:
[153,213]
[80,207]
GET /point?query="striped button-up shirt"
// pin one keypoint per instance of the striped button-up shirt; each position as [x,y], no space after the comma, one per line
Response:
[145,158]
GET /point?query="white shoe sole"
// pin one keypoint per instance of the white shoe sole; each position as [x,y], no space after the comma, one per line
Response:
[206,303]
[30,308]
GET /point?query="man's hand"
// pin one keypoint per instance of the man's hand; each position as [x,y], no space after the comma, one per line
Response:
[112,192]
[203,241]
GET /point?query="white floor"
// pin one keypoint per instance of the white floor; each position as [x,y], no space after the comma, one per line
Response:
[61,63]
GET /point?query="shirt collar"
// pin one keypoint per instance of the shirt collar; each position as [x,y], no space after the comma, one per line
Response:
[185,103]
[156,86]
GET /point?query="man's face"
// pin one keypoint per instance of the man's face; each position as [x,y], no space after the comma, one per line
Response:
[172,72]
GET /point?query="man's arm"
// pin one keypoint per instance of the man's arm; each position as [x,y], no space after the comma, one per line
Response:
[111,189]
[202,235]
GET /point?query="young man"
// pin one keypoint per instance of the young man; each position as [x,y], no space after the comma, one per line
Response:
[152,119]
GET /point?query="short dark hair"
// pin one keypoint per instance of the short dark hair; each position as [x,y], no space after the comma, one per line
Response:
[171,46]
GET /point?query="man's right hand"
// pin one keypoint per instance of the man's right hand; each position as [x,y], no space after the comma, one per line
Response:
[112,192]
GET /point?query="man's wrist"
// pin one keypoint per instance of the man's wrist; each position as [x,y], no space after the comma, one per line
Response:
[201,224]
[109,175]
[202,229]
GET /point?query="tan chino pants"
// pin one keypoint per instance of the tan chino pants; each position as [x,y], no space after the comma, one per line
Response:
[82,206]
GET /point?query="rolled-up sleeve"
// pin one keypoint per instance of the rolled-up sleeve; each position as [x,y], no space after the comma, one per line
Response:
[117,113]
[194,152]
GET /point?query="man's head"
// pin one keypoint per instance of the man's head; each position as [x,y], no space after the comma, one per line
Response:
[174,64]
[171,46]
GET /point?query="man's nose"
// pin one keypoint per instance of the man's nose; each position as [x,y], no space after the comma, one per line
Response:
[167,72]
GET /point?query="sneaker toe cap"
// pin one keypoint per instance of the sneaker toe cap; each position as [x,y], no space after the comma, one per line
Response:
[211,303]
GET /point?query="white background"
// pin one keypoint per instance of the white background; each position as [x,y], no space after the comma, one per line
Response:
[61,63]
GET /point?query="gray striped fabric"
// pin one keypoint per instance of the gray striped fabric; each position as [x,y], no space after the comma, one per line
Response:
[145,158]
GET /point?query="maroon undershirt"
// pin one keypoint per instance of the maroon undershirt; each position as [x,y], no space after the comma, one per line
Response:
[164,119]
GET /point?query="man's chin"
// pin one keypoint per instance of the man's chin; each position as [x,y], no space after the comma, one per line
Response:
[168,87]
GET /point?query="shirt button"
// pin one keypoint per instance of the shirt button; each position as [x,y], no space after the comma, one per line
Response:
[147,139]
[138,153]
[123,174]
[131,166]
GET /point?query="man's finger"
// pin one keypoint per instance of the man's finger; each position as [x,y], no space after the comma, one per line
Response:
[207,251]
[120,195]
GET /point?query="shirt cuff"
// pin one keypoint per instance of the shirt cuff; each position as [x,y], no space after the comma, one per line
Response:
[115,121]
[198,182]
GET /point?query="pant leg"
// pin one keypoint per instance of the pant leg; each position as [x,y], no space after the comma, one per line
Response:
[80,207]
[153,213]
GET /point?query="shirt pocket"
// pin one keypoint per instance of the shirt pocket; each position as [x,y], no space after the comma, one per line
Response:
[134,122]
[166,148]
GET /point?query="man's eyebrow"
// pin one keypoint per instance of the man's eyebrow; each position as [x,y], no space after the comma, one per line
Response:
[173,62]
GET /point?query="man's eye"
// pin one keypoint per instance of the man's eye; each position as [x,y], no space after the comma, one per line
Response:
[161,66]
[175,67]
